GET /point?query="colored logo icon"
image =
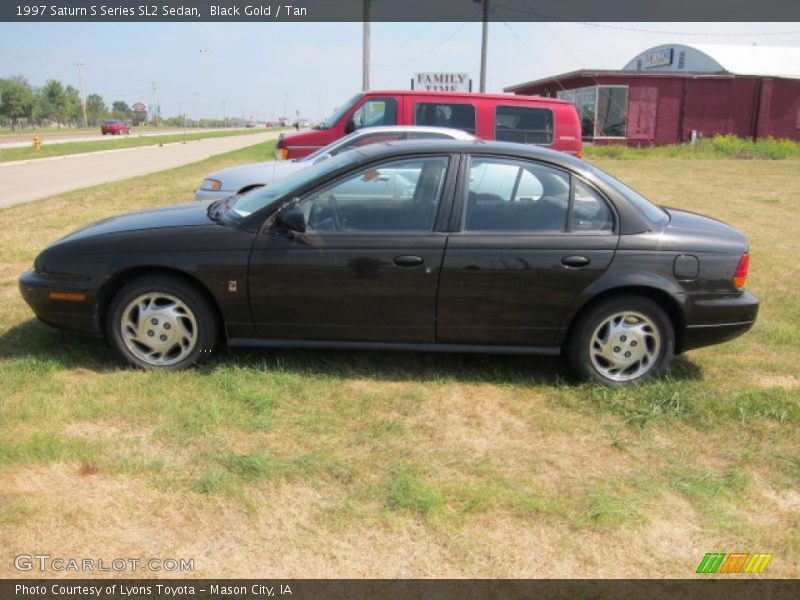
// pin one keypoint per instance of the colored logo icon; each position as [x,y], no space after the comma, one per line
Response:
[737,562]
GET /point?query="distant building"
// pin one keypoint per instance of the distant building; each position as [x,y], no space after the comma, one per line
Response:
[667,92]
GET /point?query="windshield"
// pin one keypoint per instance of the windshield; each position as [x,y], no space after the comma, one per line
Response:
[653,213]
[334,118]
[251,202]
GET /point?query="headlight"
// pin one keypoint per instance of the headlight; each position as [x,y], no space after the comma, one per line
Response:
[281,153]
[212,185]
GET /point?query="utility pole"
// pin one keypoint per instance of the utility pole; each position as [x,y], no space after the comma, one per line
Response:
[83,100]
[224,115]
[196,117]
[484,44]
[156,108]
[365,49]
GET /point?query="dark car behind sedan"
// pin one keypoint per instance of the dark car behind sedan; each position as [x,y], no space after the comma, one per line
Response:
[430,246]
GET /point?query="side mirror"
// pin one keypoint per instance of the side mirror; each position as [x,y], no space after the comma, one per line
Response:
[291,219]
[350,126]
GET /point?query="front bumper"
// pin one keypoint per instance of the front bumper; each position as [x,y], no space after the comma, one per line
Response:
[84,315]
[719,320]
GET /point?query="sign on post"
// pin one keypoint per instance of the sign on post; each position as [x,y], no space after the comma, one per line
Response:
[441,82]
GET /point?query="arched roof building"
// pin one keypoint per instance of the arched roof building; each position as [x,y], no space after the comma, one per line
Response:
[667,92]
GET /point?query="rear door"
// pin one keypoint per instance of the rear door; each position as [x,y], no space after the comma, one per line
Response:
[530,238]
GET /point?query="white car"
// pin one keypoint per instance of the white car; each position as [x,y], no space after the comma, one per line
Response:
[237,180]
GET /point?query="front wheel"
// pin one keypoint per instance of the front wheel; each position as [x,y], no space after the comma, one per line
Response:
[159,322]
[622,341]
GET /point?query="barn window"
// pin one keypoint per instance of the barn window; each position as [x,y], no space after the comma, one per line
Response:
[602,110]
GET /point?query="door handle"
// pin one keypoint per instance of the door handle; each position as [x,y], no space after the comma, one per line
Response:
[408,261]
[575,261]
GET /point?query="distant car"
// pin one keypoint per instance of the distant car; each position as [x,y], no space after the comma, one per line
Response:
[250,124]
[241,179]
[447,246]
[115,127]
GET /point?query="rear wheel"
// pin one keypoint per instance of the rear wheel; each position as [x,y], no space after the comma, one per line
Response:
[159,322]
[624,340]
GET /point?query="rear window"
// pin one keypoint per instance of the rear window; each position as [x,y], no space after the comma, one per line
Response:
[524,125]
[440,114]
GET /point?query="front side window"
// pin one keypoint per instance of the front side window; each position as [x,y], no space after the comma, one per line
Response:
[439,114]
[391,197]
[374,112]
[524,125]
[507,195]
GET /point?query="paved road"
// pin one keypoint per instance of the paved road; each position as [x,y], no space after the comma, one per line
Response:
[15,141]
[24,181]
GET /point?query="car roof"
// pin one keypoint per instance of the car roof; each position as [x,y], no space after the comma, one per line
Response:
[454,133]
[473,146]
[468,95]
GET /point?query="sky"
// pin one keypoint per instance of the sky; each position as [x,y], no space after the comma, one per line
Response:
[267,70]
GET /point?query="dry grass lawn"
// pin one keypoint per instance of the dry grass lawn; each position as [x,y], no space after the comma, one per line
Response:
[357,464]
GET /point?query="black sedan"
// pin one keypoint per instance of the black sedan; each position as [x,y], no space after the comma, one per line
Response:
[428,246]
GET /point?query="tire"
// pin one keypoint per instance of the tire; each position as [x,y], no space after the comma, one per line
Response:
[624,340]
[179,331]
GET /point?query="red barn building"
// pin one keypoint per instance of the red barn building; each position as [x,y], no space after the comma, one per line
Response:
[667,92]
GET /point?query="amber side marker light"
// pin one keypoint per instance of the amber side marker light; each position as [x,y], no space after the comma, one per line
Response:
[63,296]
[740,277]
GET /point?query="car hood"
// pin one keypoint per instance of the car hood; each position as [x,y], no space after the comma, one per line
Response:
[181,215]
[264,173]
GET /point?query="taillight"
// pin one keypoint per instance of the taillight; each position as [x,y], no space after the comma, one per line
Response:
[740,277]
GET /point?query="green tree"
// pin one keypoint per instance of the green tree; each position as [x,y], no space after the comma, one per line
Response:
[53,101]
[121,110]
[139,118]
[74,108]
[96,109]
[16,100]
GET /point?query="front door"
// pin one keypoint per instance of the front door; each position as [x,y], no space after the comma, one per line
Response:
[367,267]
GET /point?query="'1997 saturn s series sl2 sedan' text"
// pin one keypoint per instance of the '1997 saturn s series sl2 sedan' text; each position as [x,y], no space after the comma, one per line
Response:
[424,245]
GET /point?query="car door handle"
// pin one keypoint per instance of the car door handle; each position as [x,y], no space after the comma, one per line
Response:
[575,261]
[408,261]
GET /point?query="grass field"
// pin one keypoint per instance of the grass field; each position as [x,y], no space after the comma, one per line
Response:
[363,464]
[113,143]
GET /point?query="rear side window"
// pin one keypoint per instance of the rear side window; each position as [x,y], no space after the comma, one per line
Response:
[507,195]
[438,114]
[590,212]
[524,125]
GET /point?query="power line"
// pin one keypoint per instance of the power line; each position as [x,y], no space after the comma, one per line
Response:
[426,52]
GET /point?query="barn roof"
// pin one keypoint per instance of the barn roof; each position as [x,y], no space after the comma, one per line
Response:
[707,59]
[770,61]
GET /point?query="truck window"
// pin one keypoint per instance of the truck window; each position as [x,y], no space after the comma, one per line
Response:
[375,111]
[457,116]
[523,124]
